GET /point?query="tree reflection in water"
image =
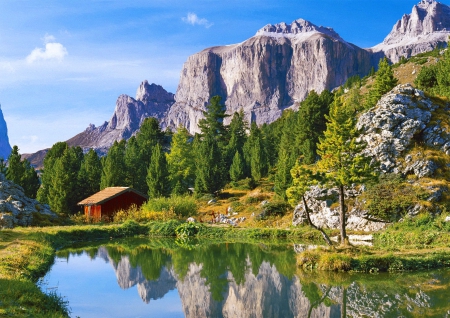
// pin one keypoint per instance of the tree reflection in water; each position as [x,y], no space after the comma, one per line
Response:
[262,280]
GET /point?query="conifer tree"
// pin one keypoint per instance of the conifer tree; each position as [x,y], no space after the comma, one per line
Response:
[158,175]
[238,136]
[136,168]
[30,180]
[180,161]
[237,167]
[342,162]
[384,82]
[16,169]
[47,173]
[64,192]
[113,166]
[89,174]
[254,153]
[209,172]
[212,124]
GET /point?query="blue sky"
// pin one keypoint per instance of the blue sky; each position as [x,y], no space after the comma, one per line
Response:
[64,63]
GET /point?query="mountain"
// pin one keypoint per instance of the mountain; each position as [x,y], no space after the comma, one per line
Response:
[151,101]
[427,27]
[271,71]
[5,147]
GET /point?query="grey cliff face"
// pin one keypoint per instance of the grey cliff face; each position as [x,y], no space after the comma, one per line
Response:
[265,74]
[427,27]
[151,101]
[5,147]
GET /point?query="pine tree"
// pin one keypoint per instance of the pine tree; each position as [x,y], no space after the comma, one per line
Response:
[254,153]
[136,166]
[158,175]
[212,124]
[64,192]
[180,161]
[237,167]
[47,173]
[384,82]
[113,166]
[238,136]
[89,174]
[149,136]
[16,169]
[342,162]
[30,180]
[209,173]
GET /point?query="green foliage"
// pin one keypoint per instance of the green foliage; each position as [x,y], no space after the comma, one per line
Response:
[427,78]
[342,162]
[212,124]
[180,161]
[188,229]
[158,175]
[276,208]
[237,167]
[390,198]
[237,134]
[22,173]
[113,166]
[254,153]
[210,174]
[89,174]
[182,206]
[384,82]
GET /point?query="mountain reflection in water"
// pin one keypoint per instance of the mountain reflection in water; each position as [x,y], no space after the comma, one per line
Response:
[257,280]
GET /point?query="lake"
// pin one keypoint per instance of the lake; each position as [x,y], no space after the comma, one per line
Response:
[190,278]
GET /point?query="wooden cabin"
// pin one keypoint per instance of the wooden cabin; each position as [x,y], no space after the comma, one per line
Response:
[105,203]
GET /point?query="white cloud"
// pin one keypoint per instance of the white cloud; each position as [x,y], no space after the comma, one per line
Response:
[52,51]
[193,19]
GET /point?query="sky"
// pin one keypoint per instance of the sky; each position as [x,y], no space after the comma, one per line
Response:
[63,64]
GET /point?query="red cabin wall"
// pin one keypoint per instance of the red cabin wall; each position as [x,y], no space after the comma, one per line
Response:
[121,202]
[93,211]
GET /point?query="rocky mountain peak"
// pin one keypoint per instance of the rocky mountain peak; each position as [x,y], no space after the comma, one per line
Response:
[153,93]
[426,27]
[299,27]
[5,147]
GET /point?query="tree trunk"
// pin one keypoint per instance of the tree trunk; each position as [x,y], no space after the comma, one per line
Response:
[344,303]
[342,214]
[325,236]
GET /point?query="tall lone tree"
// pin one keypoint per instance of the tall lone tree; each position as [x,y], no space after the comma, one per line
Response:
[113,166]
[384,82]
[90,174]
[342,162]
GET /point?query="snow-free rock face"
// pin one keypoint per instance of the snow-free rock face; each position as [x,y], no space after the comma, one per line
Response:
[16,209]
[5,147]
[427,27]
[151,101]
[265,74]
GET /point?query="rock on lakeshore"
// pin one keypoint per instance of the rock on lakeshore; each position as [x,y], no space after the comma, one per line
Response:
[16,209]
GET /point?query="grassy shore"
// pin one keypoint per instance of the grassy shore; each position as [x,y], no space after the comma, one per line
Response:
[27,253]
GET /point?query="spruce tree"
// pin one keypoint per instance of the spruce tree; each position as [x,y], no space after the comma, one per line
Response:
[180,161]
[237,167]
[255,154]
[30,180]
[238,136]
[90,174]
[209,173]
[158,175]
[47,173]
[342,162]
[136,166]
[16,169]
[64,191]
[212,124]
[384,82]
[113,166]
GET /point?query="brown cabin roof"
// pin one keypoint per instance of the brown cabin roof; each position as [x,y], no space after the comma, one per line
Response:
[107,194]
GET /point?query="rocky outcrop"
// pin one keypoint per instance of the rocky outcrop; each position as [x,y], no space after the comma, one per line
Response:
[265,74]
[5,147]
[151,101]
[401,118]
[427,27]
[16,209]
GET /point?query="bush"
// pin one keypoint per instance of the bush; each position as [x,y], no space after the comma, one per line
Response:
[188,229]
[276,208]
[182,206]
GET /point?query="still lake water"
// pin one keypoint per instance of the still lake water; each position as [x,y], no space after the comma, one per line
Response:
[170,278]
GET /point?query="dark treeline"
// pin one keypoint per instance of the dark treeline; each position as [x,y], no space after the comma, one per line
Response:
[161,164]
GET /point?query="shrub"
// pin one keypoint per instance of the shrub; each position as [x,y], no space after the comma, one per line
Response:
[188,229]
[276,208]
[182,206]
